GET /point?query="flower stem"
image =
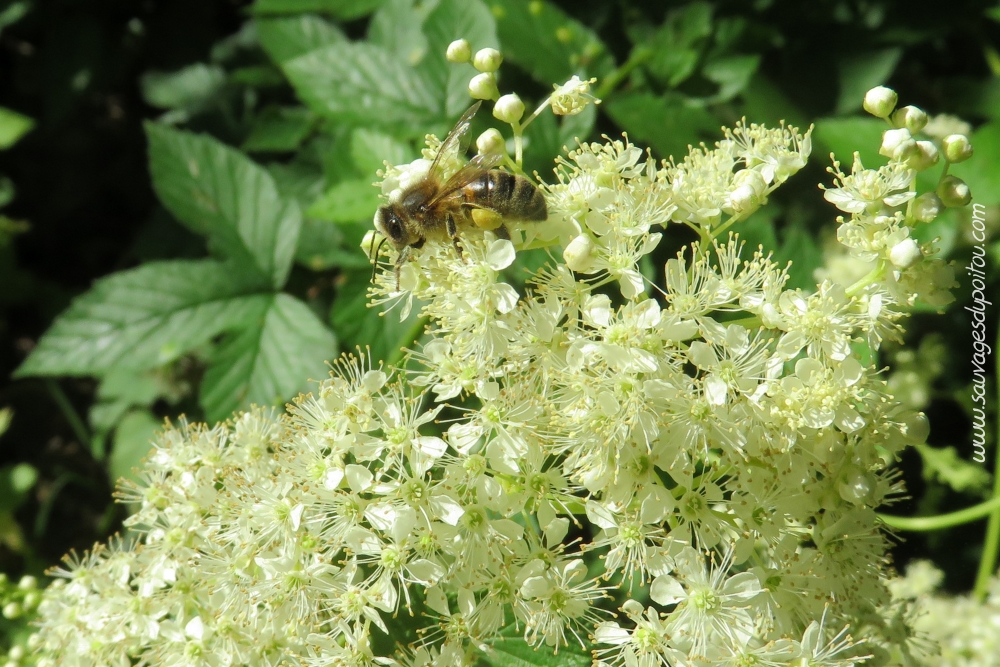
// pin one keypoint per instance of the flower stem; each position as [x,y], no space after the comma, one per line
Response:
[920,524]
[638,57]
[74,420]
[988,562]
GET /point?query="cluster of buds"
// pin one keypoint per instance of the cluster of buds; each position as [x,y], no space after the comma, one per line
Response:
[567,99]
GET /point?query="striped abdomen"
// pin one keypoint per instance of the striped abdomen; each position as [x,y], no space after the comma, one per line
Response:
[511,196]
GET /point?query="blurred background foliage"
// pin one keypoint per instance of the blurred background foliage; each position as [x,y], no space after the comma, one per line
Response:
[184,185]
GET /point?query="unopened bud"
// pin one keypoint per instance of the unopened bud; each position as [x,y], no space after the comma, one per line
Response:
[27,583]
[370,242]
[912,118]
[897,144]
[11,610]
[953,192]
[743,199]
[487,60]
[509,108]
[927,207]
[924,157]
[880,101]
[16,653]
[459,51]
[484,87]
[491,142]
[956,148]
[578,255]
[905,254]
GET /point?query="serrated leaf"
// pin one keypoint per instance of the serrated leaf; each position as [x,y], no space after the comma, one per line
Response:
[860,72]
[348,201]
[187,88]
[364,85]
[666,123]
[270,362]
[370,148]
[132,442]
[143,318]
[357,325]
[516,652]
[341,9]
[397,27]
[547,42]
[279,129]
[289,37]
[13,126]
[217,191]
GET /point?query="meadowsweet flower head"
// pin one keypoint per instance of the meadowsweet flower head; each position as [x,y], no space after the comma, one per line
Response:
[548,452]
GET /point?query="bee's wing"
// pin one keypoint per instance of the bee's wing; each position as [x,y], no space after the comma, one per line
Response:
[470,172]
[454,138]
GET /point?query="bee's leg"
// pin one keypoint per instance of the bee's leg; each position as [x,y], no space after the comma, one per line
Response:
[502,232]
[401,258]
[453,233]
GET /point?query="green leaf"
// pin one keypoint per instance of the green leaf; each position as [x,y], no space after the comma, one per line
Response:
[348,201]
[516,652]
[358,325]
[676,47]
[398,28]
[364,85]
[844,136]
[451,20]
[547,42]
[862,71]
[287,38]
[982,171]
[767,103]
[945,465]
[217,191]
[324,245]
[666,123]
[13,126]
[143,318]
[800,248]
[370,148]
[279,129]
[188,88]
[344,10]
[731,73]
[133,440]
[268,363]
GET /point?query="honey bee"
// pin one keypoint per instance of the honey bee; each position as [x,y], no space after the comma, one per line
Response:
[477,194]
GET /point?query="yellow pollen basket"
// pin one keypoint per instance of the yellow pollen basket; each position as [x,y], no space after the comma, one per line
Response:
[486,219]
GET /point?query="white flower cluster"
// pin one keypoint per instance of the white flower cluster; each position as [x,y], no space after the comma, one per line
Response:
[677,479]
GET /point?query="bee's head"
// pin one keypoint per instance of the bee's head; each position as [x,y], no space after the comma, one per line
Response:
[389,224]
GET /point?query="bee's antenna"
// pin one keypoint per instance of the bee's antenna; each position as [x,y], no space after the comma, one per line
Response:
[374,256]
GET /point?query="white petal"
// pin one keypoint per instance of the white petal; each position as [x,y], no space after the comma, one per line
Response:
[500,254]
[666,590]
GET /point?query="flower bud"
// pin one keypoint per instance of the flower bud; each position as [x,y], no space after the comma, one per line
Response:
[487,60]
[912,118]
[897,144]
[11,610]
[953,192]
[880,101]
[956,148]
[484,87]
[27,583]
[918,428]
[16,653]
[491,142]
[924,157]
[927,207]
[509,108]
[578,255]
[905,254]
[32,599]
[459,51]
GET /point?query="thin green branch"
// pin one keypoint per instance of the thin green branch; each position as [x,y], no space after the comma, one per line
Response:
[991,546]
[922,524]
